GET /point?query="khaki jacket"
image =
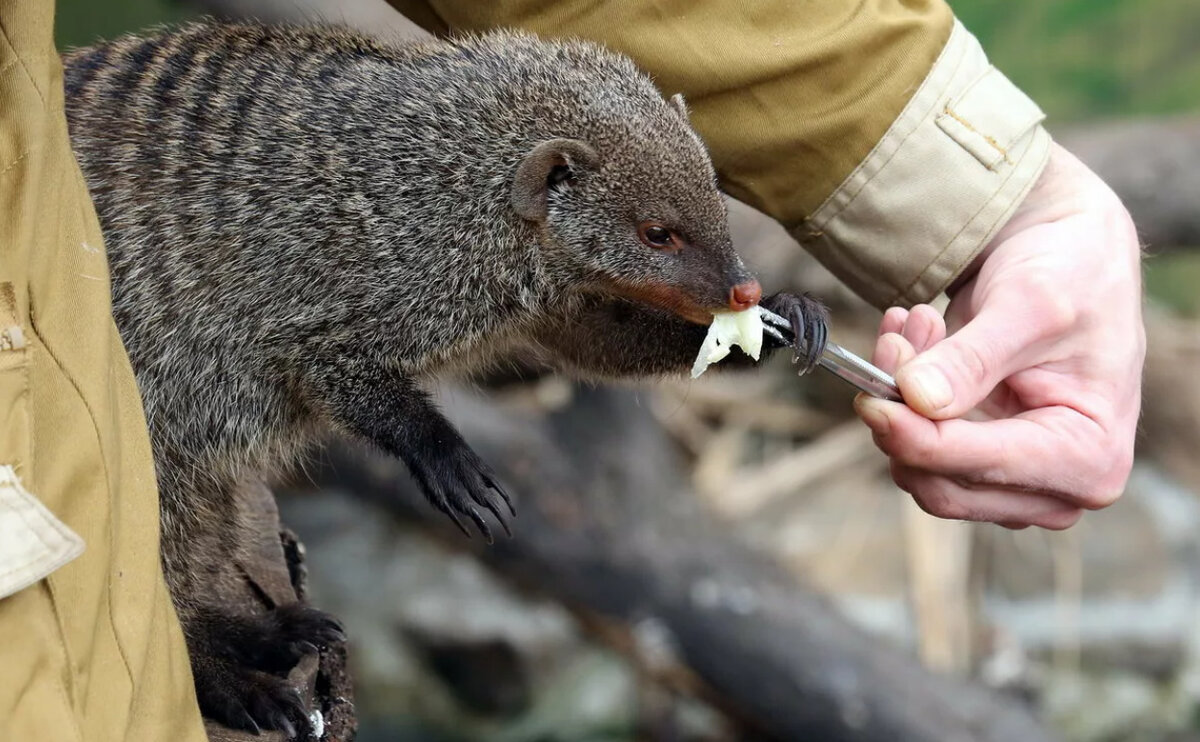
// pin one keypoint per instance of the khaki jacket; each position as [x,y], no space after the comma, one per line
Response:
[875,131]
[90,648]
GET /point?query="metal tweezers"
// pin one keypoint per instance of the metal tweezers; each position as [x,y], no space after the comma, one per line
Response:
[838,361]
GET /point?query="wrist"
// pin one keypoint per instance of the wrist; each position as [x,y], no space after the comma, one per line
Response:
[1065,188]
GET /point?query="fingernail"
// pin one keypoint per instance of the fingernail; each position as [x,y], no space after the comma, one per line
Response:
[930,387]
[872,414]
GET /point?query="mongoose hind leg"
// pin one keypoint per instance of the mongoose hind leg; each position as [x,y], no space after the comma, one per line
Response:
[239,660]
[387,407]
[238,664]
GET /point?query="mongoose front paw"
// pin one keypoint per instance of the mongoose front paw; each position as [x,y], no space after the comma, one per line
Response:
[246,699]
[455,480]
[809,320]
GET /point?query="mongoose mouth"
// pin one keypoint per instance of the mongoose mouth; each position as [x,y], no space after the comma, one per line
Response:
[665,297]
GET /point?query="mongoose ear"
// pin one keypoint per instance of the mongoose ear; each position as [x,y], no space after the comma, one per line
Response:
[680,105]
[546,166]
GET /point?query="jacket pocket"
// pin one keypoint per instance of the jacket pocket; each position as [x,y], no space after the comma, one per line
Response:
[33,542]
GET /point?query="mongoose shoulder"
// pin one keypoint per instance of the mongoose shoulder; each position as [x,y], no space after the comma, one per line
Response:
[303,226]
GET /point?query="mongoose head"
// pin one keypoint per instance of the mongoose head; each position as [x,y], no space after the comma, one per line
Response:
[634,210]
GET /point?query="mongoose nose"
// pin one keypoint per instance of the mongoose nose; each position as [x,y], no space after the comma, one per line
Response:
[744,295]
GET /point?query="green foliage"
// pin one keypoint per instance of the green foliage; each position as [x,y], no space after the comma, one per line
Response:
[1171,280]
[80,22]
[1082,59]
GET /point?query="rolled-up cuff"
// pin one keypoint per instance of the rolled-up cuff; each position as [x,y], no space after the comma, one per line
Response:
[937,187]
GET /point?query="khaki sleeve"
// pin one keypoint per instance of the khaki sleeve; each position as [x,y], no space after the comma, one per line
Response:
[875,131]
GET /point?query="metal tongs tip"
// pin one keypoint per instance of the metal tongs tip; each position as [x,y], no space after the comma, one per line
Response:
[864,376]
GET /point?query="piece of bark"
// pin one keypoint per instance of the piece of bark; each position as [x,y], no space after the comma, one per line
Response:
[1154,166]
[273,574]
[607,526]
[1170,424]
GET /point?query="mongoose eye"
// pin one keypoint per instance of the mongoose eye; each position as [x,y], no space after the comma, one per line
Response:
[658,236]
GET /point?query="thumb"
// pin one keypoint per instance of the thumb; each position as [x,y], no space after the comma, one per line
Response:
[955,375]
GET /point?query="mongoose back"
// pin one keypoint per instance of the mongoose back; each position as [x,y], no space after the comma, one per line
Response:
[303,226]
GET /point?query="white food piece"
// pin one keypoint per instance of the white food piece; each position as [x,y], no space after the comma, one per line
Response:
[743,329]
[317,720]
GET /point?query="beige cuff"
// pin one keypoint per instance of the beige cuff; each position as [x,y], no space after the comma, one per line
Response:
[944,179]
[33,543]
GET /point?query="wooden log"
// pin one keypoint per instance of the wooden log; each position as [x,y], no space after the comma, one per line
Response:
[1154,166]
[607,526]
[272,573]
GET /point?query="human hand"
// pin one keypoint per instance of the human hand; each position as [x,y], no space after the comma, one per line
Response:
[1045,352]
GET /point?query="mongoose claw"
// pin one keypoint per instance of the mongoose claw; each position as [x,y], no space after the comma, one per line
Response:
[481,524]
[445,508]
[250,700]
[458,483]
[504,496]
[299,624]
[276,640]
[807,326]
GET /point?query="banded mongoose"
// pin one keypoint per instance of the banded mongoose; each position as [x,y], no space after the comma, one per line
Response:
[304,225]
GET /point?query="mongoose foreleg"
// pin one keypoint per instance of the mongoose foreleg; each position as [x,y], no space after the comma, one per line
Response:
[388,408]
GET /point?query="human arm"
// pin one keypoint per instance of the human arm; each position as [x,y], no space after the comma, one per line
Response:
[1046,347]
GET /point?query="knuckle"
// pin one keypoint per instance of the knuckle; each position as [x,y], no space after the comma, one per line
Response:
[927,313]
[940,505]
[920,453]
[1060,314]
[973,364]
[893,320]
[1122,464]
[902,479]
[1100,497]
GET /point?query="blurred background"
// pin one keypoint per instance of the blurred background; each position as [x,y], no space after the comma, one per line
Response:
[688,552]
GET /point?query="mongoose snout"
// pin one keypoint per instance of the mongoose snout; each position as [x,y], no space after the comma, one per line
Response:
[745,295]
